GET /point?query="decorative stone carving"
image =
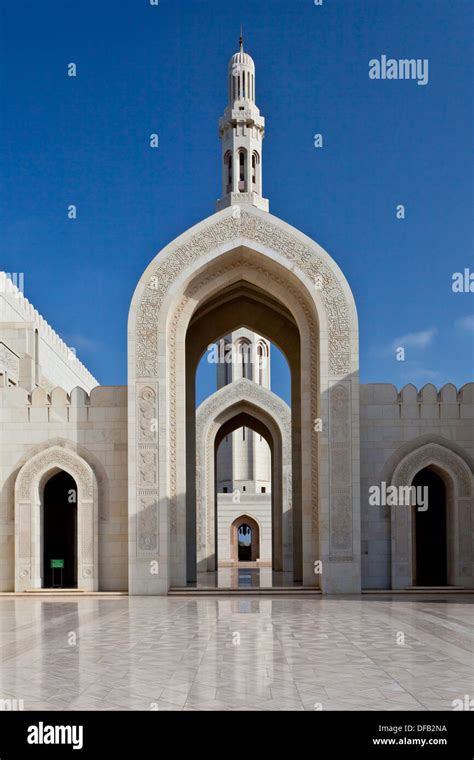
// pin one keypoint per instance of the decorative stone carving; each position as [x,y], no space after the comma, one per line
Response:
[147,467]
[250,228]
[62,459]
[247,390]
[147,470]
[341,473]
[437,455]
[147,423]
[148,524]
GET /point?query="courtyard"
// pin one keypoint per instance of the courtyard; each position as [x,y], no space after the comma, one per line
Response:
[369,652]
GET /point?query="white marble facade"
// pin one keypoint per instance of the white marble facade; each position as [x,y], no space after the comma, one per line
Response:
[142,456]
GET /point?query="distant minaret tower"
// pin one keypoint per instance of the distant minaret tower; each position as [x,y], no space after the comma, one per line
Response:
[244,458]
[241,130]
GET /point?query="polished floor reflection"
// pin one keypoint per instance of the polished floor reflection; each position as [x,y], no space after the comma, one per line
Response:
[245,577]
[162,653]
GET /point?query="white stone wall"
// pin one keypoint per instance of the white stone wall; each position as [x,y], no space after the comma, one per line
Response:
[43,359]
[389,420]
[95,427]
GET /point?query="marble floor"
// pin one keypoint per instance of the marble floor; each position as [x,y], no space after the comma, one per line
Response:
[165,653]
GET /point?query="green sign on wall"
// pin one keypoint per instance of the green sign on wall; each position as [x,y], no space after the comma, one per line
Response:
[57,563]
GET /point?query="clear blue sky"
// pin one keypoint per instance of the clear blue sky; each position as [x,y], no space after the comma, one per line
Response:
[144,69]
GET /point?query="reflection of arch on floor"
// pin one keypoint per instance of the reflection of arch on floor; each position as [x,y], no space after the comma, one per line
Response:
[245,520]
[244,403]
[457,478]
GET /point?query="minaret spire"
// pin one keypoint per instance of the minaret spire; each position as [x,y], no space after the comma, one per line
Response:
[241,130]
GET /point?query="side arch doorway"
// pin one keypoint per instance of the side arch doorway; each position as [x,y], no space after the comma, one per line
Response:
[430,528]
[56,517]
[60,531]
[245,539]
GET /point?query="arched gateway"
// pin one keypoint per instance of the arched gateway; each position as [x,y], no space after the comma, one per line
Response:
[241,401]
[243,267]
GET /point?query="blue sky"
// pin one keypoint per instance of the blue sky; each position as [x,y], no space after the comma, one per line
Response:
[144,69]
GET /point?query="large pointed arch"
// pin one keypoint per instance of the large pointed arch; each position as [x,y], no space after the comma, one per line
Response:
[283,270]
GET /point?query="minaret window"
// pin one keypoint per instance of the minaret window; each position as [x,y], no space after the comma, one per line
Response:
[37,372]
[262,354]
[228,362]
[242,187]
[244,350]
[228,171]
[260,364]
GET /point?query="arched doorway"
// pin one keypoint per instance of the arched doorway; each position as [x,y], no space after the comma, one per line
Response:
[243,267]
[245,539]
[30,485]
[244,404]
[273,543]
[60,531]
[456,476]
[430,528]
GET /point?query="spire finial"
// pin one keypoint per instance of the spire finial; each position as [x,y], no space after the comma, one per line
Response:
[241,41]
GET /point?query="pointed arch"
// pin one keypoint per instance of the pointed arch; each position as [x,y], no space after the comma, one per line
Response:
[299,287]
[458,479]
[29,488]
[238,523]
[244,397]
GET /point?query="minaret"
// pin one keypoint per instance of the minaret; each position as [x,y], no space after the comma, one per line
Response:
[241,130]
[244,459]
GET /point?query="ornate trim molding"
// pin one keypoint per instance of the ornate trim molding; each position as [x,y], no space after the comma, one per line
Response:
[434,454]
[249,229]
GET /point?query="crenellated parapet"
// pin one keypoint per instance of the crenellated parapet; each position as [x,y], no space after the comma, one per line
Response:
[16,308]
[17,405]
[428,402]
